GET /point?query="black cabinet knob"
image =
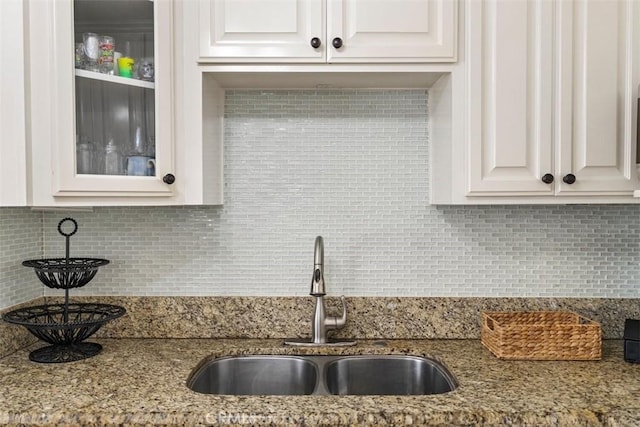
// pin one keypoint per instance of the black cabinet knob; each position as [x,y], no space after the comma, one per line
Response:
[337,42]
[169,179]
[315,43]
[569,178]
[547,178]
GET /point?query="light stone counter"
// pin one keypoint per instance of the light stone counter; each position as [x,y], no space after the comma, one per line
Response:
[142,382]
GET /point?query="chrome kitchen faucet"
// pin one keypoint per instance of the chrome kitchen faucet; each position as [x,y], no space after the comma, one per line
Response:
[321,324]
[317,280]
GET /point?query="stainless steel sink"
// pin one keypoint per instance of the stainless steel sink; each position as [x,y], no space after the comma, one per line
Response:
[387,375]
[253,375]
[337,375]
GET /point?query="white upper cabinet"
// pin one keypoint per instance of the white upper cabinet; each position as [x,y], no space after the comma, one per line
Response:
[103,131]
[317,31]
[13,174]
[598,53]
[510,140]
[261,30]
[391,30]
[549,111]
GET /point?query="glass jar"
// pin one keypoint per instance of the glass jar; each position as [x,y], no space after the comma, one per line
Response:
[112,159]
[84,157]
[91,51]
[106,49]
[79,56]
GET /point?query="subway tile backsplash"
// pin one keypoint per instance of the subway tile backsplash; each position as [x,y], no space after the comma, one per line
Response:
[351,166]
[20,239]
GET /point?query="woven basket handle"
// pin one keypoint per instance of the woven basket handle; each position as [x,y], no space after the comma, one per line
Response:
[488,322]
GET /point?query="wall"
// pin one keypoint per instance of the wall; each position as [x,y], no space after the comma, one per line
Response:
[20,239]
[351,166]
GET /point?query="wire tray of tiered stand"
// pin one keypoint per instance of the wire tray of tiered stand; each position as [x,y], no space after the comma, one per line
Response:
[65,326]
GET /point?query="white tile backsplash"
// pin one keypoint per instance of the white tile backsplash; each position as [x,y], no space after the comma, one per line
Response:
[20,239]
[351,166]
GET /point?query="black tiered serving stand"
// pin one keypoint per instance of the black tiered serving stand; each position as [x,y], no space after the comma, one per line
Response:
[66,325]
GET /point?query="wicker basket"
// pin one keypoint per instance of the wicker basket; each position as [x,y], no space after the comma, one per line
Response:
[541,335]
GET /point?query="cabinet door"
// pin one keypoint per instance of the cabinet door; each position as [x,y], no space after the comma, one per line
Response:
[392,30]
[96,133]
[13,187]
[509,97]
[598,50]
[261,30]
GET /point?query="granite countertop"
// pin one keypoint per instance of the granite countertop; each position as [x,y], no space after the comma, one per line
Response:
[142,382]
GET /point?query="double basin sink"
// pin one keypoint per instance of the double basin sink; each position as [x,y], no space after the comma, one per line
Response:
[322,375]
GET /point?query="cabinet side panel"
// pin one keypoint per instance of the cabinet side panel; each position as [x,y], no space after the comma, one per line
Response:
[13,187]
[441,174]
[212,142]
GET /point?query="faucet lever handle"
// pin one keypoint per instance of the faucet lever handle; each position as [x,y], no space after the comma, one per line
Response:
[342,320]
[335,322]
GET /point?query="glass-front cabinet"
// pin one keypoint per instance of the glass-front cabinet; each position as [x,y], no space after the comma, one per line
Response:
[112,129]
[114,88]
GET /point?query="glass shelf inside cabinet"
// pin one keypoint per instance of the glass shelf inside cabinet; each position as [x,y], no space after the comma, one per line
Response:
[114,87]
[114,79]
